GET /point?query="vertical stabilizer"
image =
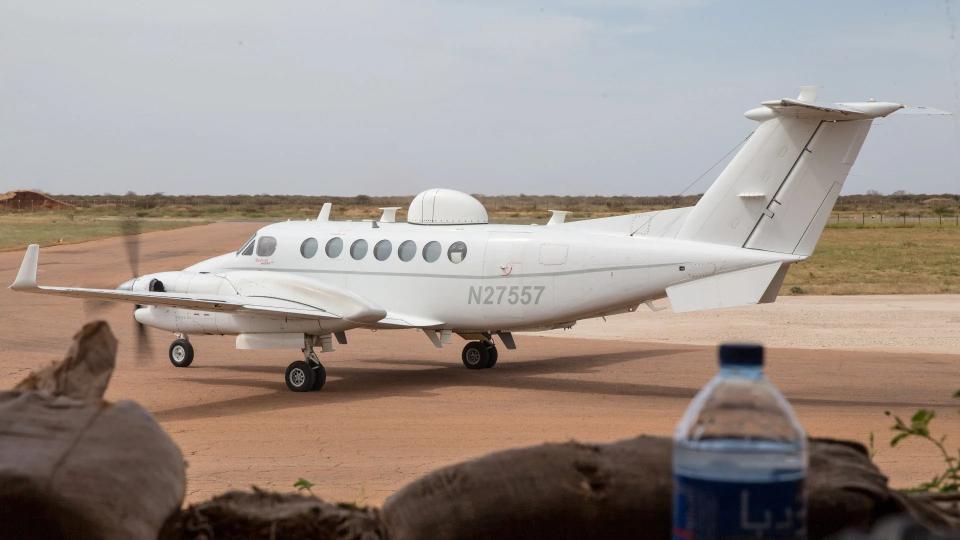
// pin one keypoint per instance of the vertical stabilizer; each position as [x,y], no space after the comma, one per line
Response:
[777,193]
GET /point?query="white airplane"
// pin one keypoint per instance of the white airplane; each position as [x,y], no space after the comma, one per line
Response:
[446,271]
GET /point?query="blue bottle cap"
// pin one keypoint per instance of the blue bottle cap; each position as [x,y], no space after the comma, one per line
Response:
[741,354]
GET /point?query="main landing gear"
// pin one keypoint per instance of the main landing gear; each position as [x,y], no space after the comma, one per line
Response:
[479,355]
[307,374]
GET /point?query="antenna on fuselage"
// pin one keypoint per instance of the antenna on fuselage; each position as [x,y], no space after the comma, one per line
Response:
[389,214]
[557,217]
[324,214]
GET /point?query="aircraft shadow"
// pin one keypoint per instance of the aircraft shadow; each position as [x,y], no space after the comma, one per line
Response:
[346,384]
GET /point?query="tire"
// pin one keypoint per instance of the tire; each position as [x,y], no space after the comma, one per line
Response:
[491,356]
[299,377]
[320,374]
[475,355]
[180,353]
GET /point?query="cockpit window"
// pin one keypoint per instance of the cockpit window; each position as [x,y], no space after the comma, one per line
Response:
[247,247]
[266,246]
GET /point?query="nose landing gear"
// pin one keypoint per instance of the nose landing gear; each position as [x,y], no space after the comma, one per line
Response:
[479,355]
[181,351]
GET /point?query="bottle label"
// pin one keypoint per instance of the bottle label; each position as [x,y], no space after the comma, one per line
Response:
[720,510]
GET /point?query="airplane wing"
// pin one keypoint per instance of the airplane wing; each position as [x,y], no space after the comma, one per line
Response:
[26,281]
[401,320]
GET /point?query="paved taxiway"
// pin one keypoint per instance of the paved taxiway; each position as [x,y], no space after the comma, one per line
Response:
[395,408]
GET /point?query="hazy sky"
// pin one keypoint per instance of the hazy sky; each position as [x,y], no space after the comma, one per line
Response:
[383,97]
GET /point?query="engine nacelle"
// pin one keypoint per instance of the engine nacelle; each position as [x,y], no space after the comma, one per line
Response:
[182,282]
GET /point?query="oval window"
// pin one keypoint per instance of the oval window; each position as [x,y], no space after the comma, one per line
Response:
[382,250]
[358,249]
[431,251]
[407,250]
[457,252]
[308,248]
[266,246]
[334,247]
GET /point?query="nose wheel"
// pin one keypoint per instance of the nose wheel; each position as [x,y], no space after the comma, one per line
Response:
[181,353]
[305,375]
[479,355]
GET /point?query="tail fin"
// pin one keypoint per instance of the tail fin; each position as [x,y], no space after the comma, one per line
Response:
[777,193]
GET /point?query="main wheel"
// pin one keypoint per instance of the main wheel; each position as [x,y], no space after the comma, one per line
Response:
[492,355]
[300,377]
[181,353]
[321,376]
[475,355]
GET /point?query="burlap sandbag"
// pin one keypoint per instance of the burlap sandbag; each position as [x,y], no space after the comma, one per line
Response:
[238,515]
[74,466]
[619,490]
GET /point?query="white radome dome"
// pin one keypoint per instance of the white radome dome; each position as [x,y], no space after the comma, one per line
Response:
[446,207]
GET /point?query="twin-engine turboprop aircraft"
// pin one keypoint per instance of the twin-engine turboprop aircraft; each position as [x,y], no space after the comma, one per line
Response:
[448,271]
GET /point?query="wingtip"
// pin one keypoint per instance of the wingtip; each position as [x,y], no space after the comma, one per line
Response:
[27,276]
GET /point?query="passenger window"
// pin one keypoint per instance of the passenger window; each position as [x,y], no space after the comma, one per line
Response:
[358,249]
[334,247]
[457,252]
[266,246]
[407,250]
[247,247]
[382,250]
[431,251]
[308,248]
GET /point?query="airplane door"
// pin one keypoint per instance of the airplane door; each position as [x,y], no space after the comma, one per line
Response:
[500,293]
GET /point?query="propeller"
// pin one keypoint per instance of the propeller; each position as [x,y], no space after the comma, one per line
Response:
[130,229]
[131,240]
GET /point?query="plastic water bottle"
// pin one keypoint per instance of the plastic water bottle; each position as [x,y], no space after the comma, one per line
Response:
[739,457]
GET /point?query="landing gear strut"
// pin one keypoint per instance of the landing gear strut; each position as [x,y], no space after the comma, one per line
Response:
[181,351]
[307,374]
[479,355]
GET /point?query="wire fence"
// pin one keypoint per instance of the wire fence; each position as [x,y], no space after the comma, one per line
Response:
[901,219]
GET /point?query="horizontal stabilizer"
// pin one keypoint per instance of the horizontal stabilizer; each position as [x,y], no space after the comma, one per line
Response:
[739,288]
[839,111]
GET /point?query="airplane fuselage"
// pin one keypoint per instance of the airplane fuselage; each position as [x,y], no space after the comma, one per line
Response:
[508,278]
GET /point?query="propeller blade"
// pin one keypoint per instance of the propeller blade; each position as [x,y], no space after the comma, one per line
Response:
[131,240]
[144,350]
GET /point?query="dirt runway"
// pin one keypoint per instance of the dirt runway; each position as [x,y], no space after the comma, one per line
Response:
[395,408]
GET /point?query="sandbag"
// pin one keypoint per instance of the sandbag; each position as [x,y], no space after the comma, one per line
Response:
[260,514]
[83,468]
[619,490]
[85,372]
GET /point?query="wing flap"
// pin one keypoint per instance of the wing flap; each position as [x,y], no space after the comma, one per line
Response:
[737,288]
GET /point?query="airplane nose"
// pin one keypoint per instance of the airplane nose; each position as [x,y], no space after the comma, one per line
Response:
[127,285]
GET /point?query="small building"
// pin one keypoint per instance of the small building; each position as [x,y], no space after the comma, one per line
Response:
[30,200]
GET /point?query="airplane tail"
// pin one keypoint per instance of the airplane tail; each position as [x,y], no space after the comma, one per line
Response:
[777,193]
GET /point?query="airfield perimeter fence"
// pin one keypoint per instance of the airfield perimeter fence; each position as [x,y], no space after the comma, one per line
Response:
[894,219]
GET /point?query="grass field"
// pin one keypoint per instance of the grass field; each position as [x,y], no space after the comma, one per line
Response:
[880,260]
[52,228]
